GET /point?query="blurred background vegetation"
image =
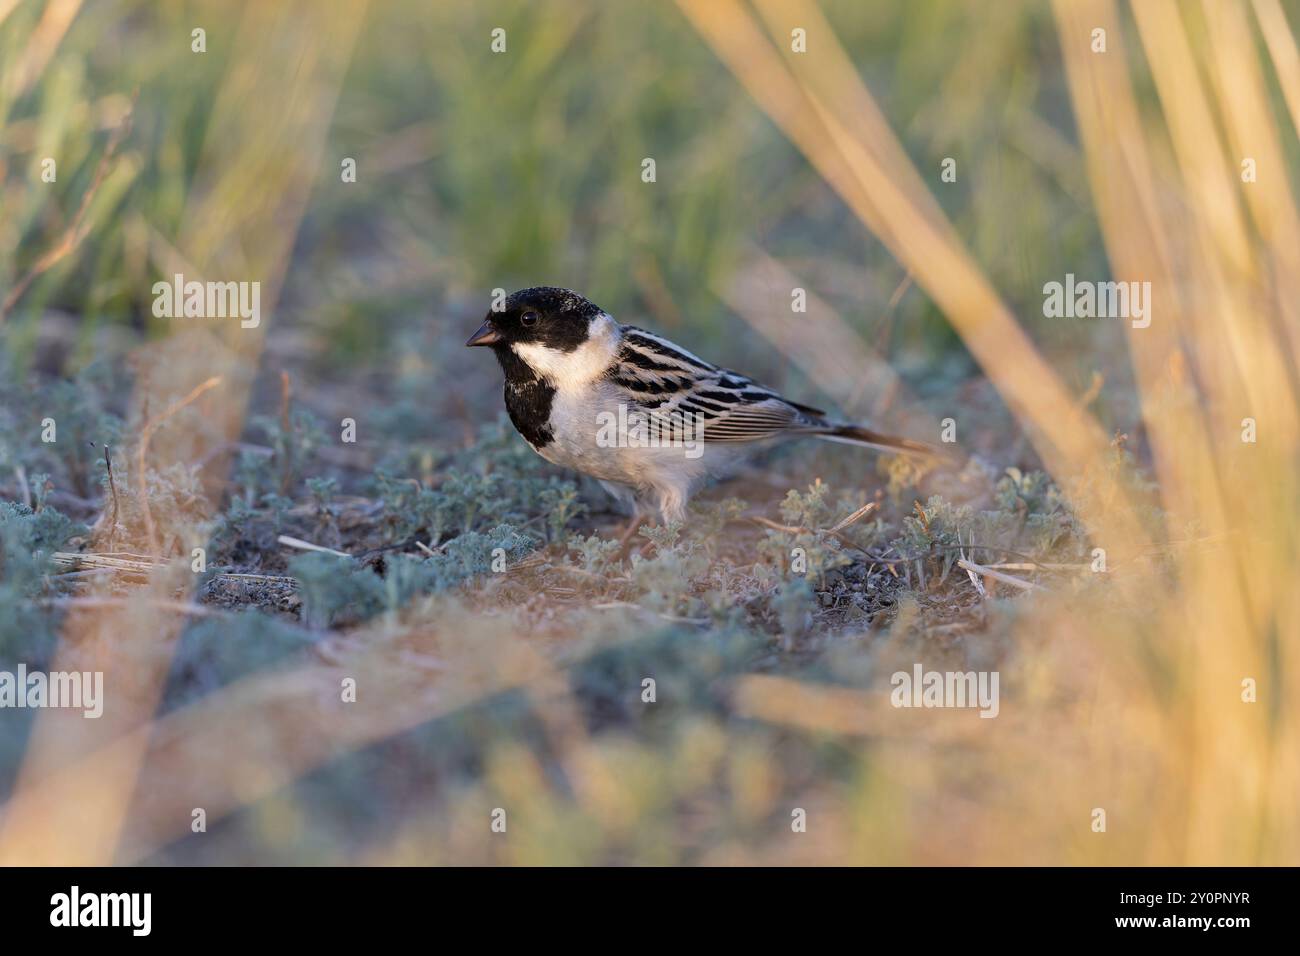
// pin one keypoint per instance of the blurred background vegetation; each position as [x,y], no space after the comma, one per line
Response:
[478,170]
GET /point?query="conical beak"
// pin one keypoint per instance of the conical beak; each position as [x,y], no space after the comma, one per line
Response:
[486,335]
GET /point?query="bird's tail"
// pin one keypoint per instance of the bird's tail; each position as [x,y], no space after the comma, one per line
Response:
[868,438]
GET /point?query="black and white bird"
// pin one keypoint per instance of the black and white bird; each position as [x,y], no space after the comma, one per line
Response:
[572,372]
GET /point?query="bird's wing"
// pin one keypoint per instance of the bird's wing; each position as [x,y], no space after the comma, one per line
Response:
[673,385]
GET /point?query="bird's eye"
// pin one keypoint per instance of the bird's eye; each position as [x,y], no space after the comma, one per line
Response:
[529,318]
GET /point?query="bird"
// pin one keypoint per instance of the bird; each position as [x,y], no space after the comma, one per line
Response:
[648,419]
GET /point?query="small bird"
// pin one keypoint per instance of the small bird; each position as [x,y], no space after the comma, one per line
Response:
[648,419]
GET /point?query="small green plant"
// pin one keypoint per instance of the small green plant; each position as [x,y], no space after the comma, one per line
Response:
[808,548]
[562,507]
[595,554]
[809,509]
[293,439]
[28,538]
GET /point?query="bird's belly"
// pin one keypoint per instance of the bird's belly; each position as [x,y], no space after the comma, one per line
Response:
[576,444]
[592,438]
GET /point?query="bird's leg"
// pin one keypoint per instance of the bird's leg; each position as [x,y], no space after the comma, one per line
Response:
[633,526]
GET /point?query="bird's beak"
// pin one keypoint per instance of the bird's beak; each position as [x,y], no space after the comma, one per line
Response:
[486,335]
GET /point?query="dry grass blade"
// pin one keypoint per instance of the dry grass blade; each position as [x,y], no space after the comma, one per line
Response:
[141,566]
[999,576]
[854,518]
[77,228]
[1194,134]
[1245,106]
[45,39]
[301,545]
[6,8]
[146,433]
[1282,49]
[1222,352]
[777,526]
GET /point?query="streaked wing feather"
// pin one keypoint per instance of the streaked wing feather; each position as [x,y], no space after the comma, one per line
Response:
[669,382]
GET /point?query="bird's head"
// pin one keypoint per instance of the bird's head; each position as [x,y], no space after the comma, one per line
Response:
[556,319]
[555,333]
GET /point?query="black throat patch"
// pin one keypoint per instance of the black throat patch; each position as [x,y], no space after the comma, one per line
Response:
[528,398]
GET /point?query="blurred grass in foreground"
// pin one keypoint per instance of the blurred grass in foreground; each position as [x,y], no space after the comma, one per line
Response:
[478,170]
